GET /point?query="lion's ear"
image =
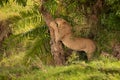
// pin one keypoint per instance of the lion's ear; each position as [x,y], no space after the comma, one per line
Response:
[64,22]
[56,24]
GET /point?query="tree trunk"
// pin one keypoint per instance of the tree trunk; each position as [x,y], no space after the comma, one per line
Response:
[93,17]
[56,47]
[5,31]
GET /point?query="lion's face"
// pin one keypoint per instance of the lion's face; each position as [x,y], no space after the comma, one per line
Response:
[63,25]
[60,21]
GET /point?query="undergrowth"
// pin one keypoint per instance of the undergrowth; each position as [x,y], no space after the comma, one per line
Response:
[102,68]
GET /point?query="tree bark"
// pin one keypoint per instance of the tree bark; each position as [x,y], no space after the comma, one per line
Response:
[5,32]
[56,47]
[93,17]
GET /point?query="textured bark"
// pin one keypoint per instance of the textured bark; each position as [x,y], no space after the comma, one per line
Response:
[96,10]
[93,18]
[5,32]
[56,47]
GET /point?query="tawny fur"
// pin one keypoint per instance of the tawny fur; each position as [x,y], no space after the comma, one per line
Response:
[63,32]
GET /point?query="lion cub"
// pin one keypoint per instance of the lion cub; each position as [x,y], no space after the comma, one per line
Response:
[63,32]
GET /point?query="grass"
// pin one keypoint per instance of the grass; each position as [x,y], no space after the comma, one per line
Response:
[99,69]
[76,72]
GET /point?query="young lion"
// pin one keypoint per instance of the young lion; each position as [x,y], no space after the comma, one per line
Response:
[63,32]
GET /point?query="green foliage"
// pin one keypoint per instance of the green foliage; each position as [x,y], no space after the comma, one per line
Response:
[72,58]
[29,33]
[21,2]
[2,2]
[111,20]
[101,69]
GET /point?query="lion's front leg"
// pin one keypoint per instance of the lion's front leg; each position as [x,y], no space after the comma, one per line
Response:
[53,25]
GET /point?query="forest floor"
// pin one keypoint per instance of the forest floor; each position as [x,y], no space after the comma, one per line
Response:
[99,69]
